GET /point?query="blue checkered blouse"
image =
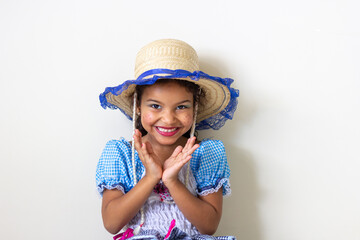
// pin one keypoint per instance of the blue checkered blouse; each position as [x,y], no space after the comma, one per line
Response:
[208,164]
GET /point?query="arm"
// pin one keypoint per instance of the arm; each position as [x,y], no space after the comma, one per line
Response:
[118,208]
[203,212]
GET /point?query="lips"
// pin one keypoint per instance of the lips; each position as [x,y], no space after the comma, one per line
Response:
[167,131]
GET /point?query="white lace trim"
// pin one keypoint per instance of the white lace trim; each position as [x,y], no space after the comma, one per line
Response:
[214,190]
[103,187]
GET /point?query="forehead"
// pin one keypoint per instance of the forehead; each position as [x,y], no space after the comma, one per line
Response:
[173,90]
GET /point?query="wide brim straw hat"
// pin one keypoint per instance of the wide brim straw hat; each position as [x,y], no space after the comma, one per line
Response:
[175,59]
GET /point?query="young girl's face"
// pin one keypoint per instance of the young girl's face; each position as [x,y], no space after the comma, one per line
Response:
[167,112]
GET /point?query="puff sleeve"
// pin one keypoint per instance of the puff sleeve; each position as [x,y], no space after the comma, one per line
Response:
[210,168]
[114,169]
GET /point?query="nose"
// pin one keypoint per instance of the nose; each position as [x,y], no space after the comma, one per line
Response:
[169,117]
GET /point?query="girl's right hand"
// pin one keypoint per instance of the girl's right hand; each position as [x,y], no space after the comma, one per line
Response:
[153,167]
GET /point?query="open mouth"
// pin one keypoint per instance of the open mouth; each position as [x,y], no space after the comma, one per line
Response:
[167,131]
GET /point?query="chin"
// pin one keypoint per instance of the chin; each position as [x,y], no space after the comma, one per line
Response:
[168,140]
[165,140]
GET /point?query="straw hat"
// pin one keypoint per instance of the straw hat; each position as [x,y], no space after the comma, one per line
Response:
[175,59]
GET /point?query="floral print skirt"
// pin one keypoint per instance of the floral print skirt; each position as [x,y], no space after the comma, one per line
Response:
[174,234]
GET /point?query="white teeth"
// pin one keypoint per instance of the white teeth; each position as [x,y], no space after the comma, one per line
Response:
[166,129]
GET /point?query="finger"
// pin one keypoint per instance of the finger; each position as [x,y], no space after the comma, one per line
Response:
[183,161]
[144,152]
[189,143]
[187,146]
[187,159]
[149,148]
[137,139]
[192,150]
[186,154]
[177,150]
[142,155]
[192,140]
[138,133]
[138,144]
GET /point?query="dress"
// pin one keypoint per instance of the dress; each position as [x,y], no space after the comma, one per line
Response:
[209,171]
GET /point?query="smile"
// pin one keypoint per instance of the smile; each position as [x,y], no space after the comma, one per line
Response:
[168,132]
[166,129]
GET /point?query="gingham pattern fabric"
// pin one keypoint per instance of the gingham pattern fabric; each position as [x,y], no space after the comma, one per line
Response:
[210,168]
[208,165]
[115,170]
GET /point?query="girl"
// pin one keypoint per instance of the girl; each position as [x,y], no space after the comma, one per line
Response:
[164,184]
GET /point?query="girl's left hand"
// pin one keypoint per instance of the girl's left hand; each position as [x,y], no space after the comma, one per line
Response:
[177,160]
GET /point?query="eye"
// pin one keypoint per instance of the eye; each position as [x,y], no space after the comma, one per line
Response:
[155,106]
[182,107]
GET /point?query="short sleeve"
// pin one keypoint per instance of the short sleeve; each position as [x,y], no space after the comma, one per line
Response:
[114,170]
[210,168]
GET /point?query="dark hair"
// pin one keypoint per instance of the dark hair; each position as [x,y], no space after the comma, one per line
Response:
[191,87]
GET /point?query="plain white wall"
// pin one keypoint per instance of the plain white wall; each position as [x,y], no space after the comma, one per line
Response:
[292,145]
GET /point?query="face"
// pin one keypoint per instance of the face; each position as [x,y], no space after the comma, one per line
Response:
[167,112]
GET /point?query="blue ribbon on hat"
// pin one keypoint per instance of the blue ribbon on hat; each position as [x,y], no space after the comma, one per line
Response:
[180,73]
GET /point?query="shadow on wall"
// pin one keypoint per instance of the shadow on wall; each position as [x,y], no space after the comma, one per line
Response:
[240,213]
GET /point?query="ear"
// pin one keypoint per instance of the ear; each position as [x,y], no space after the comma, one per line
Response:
[138,111]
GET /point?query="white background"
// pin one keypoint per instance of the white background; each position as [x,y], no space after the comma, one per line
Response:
[293,145]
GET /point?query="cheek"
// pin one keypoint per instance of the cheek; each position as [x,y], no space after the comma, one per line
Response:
[147,118]
[188,119]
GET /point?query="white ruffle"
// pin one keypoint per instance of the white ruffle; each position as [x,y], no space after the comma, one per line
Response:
[101,188]
[221,183]
[158,215]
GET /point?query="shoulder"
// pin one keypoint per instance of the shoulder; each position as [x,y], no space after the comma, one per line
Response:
[211,142]
[114,166]
[115,151]
[114,147]
[210,151]
[211,146]
[210,167]
[122,143]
